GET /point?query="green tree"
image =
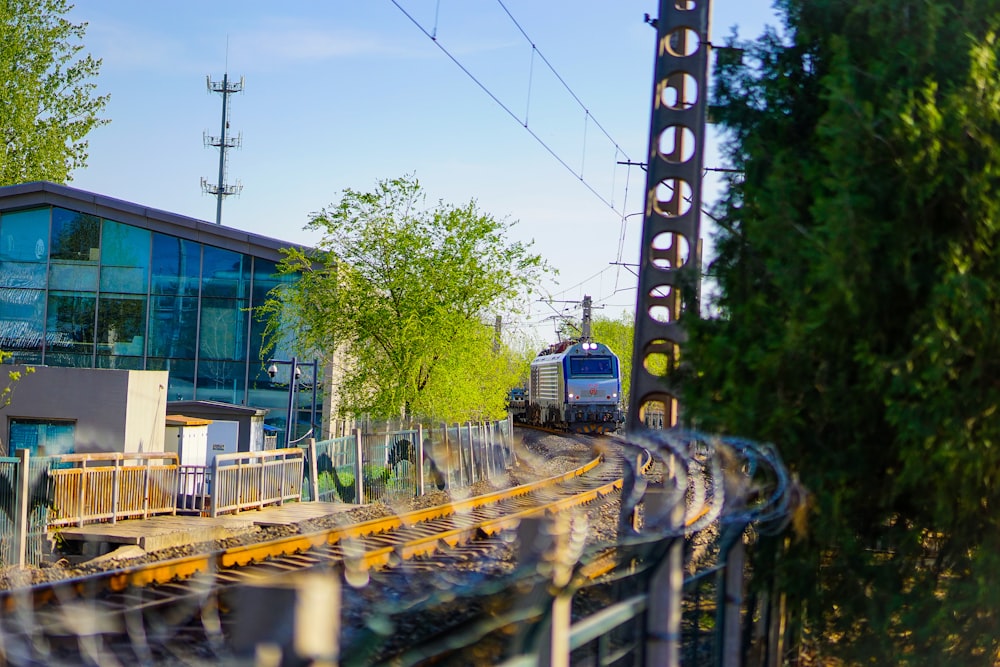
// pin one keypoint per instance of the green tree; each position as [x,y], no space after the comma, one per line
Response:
[617,334]
[859,292]
[402,290]
[47,101]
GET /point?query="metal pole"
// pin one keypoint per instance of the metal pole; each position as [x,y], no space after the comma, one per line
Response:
[291,403]
[420,459]
[314,472]
[222,152]
[358,468]
[312,411]
[663,616]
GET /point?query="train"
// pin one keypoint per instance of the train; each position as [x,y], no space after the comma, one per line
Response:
[575,385]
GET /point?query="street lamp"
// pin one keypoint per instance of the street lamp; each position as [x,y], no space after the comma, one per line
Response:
[293,382]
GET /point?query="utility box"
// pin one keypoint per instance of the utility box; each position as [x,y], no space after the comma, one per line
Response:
[188,438]
[249,430]
[223,438]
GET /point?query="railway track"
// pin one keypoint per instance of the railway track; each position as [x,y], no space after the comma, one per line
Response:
[192,584]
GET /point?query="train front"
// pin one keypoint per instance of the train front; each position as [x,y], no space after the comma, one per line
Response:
[593,388]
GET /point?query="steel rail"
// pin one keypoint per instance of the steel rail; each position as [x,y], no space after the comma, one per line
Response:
[188,566]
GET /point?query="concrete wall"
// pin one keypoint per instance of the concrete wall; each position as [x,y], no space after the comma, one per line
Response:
[114,410]
[147,410]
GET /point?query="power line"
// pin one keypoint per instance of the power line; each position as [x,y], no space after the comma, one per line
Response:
[432,35]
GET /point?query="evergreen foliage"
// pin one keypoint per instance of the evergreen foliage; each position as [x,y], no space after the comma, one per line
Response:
[47,101]
[402,293]
[859,303]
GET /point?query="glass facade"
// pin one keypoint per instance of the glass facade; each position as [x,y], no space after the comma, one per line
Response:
[85,291]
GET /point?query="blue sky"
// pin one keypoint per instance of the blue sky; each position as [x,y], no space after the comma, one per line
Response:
[342,94]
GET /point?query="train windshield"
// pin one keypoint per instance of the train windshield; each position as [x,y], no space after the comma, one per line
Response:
[591,367]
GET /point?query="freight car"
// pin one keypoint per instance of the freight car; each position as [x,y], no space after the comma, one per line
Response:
[575,385]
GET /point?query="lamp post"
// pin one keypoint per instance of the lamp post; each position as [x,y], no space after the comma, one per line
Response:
[295,372]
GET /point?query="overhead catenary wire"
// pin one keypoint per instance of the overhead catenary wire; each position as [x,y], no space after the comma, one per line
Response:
[433,36]
[620,155]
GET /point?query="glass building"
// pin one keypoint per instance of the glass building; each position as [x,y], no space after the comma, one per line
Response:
[94,282]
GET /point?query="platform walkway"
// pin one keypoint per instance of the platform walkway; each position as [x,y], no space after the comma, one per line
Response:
[162,532]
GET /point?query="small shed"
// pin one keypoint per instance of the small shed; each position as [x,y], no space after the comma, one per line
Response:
[188,438]
[63,410]
[233,428]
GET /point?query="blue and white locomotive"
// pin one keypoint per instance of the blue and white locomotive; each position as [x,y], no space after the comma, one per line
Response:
[575,385]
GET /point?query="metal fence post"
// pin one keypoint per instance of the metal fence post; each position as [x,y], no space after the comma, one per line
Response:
[663,618]
[509,440]
[729,631]
[313,472]
[472,457]
[447,455]
[420,459]
[731,600]
[214,491]
[359,467]
[23,489]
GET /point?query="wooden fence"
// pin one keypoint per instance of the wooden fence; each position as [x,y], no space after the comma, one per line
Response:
[108,486]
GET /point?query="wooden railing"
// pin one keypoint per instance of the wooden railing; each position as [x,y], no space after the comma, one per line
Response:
[109,486]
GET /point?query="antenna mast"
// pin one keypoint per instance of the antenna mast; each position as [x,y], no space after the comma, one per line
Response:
[223,142]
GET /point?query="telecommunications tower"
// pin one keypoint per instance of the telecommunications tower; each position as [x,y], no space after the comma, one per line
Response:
[223,142]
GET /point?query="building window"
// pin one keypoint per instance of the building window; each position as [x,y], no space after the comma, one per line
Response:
[24,238]
[124,258]
[173,326]
[176,265]
[70,329]
[42,437]
[225,274]
[121,327]
[76,237]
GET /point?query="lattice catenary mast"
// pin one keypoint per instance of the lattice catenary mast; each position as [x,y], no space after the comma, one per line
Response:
[223,142]
[670,262]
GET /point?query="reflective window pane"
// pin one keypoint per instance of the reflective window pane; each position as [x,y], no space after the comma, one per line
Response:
[22,319]
[58,358]
[75,236]
[74,277]
[180,385]
[119,363]
[22,274]
[24,235]
[265,278]
[124,258]
[224,273]
[121,326]
[221,381]
[173,326]
[42,437]
[223,329]
[70,326]
[176,265]
[25,357]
